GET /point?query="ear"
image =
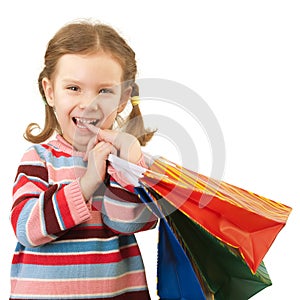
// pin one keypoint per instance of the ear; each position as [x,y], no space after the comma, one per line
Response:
[48,90]
[124,99]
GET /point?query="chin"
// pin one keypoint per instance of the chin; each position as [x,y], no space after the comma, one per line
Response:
[80,144]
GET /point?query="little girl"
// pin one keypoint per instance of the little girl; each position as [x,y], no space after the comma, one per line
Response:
[73,215]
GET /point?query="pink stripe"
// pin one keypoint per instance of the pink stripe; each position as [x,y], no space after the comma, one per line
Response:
[123,211]
[31,155]
[79,287]
[29,187]
[65,173]
[76,204]
[34,228]
[95,219]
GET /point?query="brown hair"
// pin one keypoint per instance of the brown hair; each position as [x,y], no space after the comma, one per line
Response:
[85,37]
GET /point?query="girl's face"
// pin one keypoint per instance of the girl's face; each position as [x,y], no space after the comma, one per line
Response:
[85,88]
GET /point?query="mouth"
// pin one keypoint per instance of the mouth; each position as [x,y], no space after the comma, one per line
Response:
[81,122]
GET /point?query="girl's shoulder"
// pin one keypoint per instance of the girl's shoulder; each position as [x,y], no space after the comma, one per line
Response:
[42,151]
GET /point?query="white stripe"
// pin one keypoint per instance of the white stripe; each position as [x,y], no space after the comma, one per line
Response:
[74,253]
[85,240]
[78,279]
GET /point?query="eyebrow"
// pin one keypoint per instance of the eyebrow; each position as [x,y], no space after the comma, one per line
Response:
[102,84]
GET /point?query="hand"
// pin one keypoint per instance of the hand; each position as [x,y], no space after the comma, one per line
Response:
[96,169]
[126,144]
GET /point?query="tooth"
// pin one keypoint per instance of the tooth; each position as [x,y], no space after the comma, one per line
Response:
[85,121]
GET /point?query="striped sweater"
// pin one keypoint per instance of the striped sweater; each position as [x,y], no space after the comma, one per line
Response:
[68,249]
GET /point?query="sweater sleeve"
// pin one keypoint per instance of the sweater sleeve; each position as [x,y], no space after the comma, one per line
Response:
[120,178]
[123,211]
[42,212]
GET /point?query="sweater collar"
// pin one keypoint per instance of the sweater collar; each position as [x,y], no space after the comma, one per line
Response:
[65,146]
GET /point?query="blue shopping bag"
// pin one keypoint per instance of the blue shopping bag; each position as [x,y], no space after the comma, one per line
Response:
[176,278]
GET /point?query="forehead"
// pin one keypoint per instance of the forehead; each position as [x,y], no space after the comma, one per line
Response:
[96,67]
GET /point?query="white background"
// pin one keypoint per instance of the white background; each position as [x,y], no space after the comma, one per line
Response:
[241,57]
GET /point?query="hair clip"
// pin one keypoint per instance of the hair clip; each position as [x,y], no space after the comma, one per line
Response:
[135,100]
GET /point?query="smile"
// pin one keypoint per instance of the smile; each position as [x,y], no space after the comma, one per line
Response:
[80,122]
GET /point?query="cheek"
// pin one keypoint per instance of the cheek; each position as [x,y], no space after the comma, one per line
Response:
[63,120]
[63,103]
[110,107]
[109,119]
[63,112]
[109,115]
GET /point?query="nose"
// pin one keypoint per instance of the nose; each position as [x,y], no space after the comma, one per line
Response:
[89,103]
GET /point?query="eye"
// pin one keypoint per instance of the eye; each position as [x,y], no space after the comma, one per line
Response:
[106,91]
[73,88]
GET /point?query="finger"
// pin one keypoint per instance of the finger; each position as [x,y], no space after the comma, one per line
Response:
[92,128]
[106,135]
[91,144]
[114,151]
[109,136]
[104,149]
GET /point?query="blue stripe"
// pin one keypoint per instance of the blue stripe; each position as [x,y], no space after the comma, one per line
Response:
[32,179]
[127,226]
[77,271]
[65,247]
[71,162]
[123,227]
[40,150]
[43,224]
[66,162]
[62,161]
[22,221]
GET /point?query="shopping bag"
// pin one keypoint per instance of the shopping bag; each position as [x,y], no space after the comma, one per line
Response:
[222,231]
[176,277]
[220,269]
[237,217]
